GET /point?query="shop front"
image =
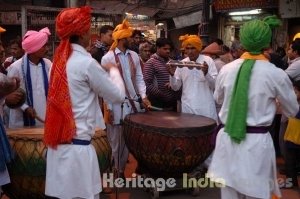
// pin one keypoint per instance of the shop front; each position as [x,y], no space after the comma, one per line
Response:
[232,14]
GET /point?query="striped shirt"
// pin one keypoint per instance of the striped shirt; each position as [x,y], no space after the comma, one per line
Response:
[156,76]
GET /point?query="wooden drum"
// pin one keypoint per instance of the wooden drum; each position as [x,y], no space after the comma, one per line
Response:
[168,143]
[28,170]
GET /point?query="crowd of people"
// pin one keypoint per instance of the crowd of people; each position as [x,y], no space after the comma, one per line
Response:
[241,88]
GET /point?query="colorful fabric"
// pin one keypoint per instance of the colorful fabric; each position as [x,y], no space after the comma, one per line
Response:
[35,40]
[6,154]
[255,35]
[60,124]
[247,55]
[28,121]
[122,30]
[193,40]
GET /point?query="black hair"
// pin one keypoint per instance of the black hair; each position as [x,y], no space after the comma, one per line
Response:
[296,84]
[281,51]
[219,41]
[104,29]
[296,46]
[136,32]
[74,39]
[226,49]
[160,42]
[17,41]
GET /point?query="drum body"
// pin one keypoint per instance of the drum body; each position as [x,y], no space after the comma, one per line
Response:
[168,144]
[28,170]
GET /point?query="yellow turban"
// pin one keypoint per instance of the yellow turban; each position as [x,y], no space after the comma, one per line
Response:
[297,36]
[122,30]
[193,40]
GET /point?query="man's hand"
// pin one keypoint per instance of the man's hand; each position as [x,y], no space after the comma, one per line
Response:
[15,99]
[108,66]
[171,69]
[30,112]
[204,68]
[146,103]
[8,85]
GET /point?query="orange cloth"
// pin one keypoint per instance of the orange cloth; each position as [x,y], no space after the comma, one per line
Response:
[2,29]
[193,40]
[60,124]
[122,30]
[247,55]
[213,49]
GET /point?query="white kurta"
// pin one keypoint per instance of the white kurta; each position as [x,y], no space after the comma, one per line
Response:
[140,84]
[39,97]
[197,89]
[73,170]
[250,167]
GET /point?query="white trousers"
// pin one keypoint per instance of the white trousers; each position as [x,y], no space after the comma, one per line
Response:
[117,143]
[230,193]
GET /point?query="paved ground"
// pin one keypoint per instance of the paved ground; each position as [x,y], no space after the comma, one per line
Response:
[205,193]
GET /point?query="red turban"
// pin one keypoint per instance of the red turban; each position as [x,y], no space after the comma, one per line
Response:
[60,124]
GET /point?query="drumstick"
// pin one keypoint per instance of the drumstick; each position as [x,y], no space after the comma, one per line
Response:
[39,119]
[153,108]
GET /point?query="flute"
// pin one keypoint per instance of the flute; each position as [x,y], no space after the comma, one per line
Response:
[189,64]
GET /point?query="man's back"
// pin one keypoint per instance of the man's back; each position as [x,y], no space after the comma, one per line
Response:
[267,82]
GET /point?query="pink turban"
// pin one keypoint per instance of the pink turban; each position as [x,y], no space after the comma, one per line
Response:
[34,41]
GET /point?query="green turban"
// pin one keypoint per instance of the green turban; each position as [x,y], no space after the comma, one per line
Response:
[256,35]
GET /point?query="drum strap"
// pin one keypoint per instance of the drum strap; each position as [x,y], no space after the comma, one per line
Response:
[133,74]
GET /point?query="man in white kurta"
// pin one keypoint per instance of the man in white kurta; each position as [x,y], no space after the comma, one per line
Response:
[197,85]
[35,45]
[130,68]
[7,85]
[72,165]
[248,168]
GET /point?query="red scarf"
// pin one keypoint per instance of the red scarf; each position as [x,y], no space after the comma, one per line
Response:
[60,124]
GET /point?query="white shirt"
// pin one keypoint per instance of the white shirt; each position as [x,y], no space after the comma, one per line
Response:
[73,170]
[139,82]
[250,167]
[197,89]
[38,91]
[294,69]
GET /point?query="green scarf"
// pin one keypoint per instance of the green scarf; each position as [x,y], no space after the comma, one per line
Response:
[255,36]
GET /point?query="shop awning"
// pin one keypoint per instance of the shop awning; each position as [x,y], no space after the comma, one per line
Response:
[229,5]
[157,9]
[188,19]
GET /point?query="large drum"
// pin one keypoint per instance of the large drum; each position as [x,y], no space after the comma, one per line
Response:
[168,144]
[28,170]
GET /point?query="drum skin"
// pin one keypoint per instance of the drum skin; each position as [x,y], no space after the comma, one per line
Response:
[168,144]
[28,170]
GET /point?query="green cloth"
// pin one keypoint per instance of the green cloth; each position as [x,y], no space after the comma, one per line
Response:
[255,36]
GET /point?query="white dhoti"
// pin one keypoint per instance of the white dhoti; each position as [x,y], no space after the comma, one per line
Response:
[118,146]
[73,172]
[249,167]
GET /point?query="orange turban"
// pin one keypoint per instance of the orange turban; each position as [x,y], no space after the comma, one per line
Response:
[122,30]
[193,40]
[60,124]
